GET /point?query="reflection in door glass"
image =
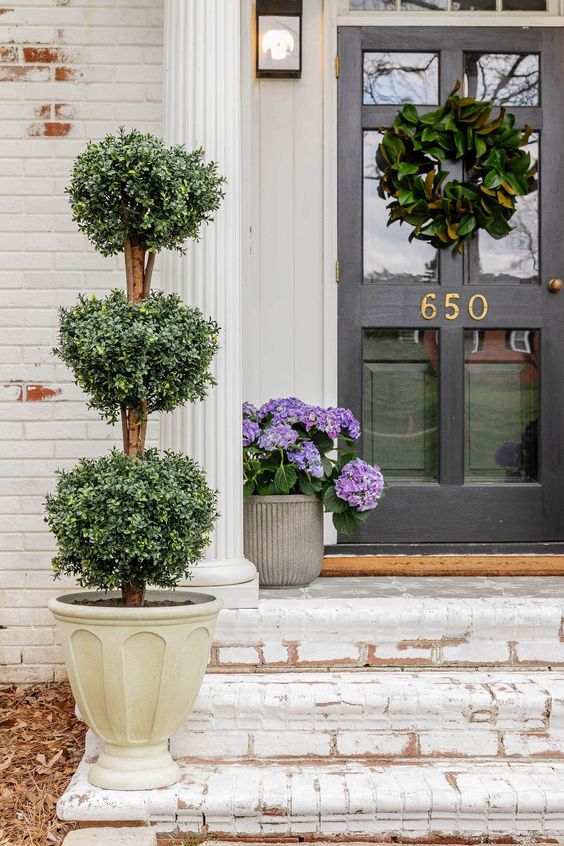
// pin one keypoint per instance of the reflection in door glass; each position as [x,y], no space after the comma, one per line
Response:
[515,258]
[423,5]
[473,5]
[506,79]
[456,5]
[524,5]
[401,78]
[388,255]
[502,405]
[400,402]
[373,5]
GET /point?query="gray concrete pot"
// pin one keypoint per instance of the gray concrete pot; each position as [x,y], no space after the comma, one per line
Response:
[283,537]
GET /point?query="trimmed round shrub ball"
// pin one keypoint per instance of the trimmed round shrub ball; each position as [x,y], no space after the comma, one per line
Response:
[142,520]
[133,187]
[123,353]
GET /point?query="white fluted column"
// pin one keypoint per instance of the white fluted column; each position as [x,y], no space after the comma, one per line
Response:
[203,108]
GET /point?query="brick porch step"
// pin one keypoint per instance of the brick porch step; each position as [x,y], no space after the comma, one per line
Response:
[373,715]
[376,714]
[377,708]
[467,801]
[397,622]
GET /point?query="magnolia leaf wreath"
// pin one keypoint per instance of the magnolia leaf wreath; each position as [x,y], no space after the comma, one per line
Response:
[410,159]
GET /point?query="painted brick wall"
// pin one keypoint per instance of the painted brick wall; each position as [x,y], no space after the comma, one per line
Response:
[70,70]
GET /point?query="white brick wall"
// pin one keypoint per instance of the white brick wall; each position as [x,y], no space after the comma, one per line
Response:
[70,70]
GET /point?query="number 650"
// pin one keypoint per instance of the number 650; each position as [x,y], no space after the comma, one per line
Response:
[451,306]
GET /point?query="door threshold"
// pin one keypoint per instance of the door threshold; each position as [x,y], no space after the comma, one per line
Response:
[444,565]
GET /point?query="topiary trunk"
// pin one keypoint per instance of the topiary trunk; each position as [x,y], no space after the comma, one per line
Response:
[138,282]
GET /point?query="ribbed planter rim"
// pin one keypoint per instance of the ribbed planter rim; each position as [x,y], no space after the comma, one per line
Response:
[203,605]
[282,498]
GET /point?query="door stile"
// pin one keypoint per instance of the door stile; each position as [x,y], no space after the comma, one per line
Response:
[451,405]
[349,223]
[551,447]
[451,336]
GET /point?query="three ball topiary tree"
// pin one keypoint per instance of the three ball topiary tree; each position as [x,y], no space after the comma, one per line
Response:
[136,518]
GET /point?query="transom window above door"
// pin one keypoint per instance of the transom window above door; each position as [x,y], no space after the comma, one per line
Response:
[450,5]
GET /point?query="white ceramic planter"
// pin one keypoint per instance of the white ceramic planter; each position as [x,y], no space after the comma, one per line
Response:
[135,674]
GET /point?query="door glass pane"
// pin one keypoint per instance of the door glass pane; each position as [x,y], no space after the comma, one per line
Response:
[401,78]
[400,402]
[502,405]
[423,5]
[473,5]
[388,255]
[524,5]
[372,5]
[515,258]
[506,79]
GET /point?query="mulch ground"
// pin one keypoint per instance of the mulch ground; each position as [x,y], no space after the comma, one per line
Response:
[41,743]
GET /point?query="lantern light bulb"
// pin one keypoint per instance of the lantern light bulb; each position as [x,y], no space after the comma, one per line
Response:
[279,42]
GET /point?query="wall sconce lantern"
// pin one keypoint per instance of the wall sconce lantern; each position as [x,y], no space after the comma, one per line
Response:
[279,38]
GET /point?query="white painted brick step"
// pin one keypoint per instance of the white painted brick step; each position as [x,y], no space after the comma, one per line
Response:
[379,622]
[465,800]
[374,714]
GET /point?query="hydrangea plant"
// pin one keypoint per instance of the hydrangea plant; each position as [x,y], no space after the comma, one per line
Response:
[289,447]
[136,518]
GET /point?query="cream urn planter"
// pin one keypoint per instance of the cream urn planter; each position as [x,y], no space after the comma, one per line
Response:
[135,674]
[283,537]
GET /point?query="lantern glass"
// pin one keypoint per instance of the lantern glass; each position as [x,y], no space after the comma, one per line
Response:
[278,44]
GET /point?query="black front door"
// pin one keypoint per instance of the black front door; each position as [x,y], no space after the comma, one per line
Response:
[454,364]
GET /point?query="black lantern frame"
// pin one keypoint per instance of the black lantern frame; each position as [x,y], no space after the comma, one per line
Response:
[285,9]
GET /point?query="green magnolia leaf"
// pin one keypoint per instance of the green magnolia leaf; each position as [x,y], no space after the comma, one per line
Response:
[393,146]
[406,169]
[409,112]
[492,179]
[466,225]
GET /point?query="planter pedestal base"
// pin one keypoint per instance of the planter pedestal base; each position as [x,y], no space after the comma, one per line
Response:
[138,768]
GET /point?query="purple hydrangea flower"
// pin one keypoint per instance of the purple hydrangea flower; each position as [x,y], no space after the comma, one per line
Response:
[285,410]
[314,416]
[251,431]
[250,411]
[347,421]
[277,435]
[332,421]
[360,485]
[305,456]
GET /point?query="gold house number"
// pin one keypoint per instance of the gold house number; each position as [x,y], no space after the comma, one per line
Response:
[477,306]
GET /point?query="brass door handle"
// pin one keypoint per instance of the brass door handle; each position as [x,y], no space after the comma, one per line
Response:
[555,285]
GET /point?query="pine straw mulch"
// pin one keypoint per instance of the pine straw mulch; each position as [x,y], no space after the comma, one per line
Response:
[41,743]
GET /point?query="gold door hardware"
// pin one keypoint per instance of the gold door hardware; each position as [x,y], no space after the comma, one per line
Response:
[555,285]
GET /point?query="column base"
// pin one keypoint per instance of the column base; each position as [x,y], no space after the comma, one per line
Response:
[235,580]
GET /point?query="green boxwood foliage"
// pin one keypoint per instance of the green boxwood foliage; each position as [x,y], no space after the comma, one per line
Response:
[122,353]
[133,187]
[141,520]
